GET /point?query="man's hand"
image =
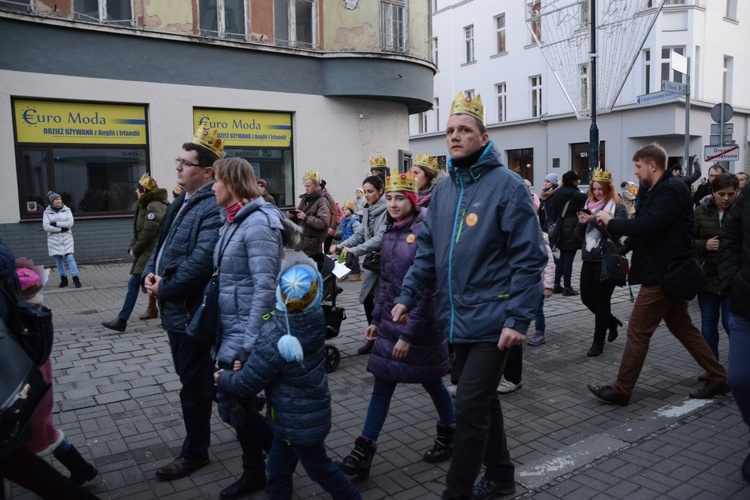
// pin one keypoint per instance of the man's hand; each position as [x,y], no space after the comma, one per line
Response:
[151,284]
[301,215]
[603,217]
[400,314]
[216,376]
[401,349]
[371,332]
[509,338]
[331,231]
[547,293]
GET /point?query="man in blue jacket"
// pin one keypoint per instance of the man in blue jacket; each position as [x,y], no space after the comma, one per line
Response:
[487,263]
[176,274]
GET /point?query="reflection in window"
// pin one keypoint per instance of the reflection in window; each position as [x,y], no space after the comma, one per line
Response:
[521,161]
[117,12]
[272,165]
[295,23]
[223,19]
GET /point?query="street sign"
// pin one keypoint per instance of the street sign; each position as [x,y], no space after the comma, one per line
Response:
[728,128]
[716,112]
[679,62]
[656,97]
[679,88]
[721,153]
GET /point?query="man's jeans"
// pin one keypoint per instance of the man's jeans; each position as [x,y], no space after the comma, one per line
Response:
[739,368]
[712,305]
[193,364]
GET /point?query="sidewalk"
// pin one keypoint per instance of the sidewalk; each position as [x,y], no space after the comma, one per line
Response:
[117,402]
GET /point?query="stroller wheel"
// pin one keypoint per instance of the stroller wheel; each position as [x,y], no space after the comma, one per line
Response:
[333,358]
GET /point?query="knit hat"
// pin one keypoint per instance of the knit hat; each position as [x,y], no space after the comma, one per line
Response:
[300,288]
[262,182]
[553,179]
[52,196]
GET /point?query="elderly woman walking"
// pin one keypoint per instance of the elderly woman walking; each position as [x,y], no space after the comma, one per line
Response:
[58,222]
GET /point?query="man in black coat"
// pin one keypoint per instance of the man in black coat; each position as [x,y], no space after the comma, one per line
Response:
[662,229]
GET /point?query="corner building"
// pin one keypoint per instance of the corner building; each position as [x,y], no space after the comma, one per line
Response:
[97,92]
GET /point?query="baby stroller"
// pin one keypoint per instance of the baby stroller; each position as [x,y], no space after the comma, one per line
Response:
[334,315]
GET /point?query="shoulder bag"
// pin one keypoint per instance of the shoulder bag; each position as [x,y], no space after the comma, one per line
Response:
[682,280]
[22,388]
[614,268]
[554,231]
[204,324]
[31,325]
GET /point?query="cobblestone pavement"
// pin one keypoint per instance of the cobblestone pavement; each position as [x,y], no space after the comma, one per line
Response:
[117,401]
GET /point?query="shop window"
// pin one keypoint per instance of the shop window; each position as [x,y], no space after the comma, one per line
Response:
[272,165]
[580,160]
[117,12]
[223,19]
[521,161]
[295,23]
[392,26]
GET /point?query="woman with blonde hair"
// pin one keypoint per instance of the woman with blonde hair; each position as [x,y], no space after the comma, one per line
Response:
[596,295]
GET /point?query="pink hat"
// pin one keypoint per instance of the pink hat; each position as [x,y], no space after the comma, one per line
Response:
[28,278]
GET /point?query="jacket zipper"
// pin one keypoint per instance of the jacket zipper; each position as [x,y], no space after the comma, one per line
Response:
[454,240]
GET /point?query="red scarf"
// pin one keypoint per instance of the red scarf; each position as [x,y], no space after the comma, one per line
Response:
[233,209]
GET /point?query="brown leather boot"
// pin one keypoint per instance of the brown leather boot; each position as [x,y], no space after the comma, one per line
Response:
[152,312]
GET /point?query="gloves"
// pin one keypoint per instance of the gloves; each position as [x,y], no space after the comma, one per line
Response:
[53,224]
[130,251]
[64,230]
[230,410]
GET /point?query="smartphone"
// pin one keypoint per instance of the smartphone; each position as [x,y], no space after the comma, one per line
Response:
[586,211]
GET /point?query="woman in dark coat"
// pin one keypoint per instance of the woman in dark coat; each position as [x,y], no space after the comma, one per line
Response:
[569,243]
[413,353]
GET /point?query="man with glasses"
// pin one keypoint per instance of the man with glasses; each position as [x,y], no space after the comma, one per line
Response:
[176,274]
[704,189]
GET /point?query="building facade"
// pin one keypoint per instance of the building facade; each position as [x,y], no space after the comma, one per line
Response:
[97,92]
[485,47]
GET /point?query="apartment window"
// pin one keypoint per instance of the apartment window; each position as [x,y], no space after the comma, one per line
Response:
[469,41]
[647,71]
[584,73]
[392,26]
[667,73]
[223,19]
[732,9]
[521,161]
[674,2]
[17,5]
[500,33]
[436,109]
[502,102]
[117,12]
[469,94]
[536,96]
[295,23]
[726,90]
[535,8]
[435,51]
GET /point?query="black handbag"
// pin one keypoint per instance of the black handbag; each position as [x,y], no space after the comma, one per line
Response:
[31,326]
[372,262]
[683,279]
[22,388]
[614,269]
[205,324]
[554,231]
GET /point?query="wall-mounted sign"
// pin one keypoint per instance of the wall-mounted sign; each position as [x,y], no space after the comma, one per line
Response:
[79,122]
[247,128]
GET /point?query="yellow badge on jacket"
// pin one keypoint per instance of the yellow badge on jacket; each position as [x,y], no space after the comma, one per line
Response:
[471,219]
[411,238]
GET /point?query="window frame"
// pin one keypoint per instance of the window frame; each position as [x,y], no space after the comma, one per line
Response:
[221,21]
[292,26]
[436,109]
[103,14]
[648,66]
[501,42]
[665,61]
[435,52]
[501,90]
[536,89]
[469,45]
[391,41]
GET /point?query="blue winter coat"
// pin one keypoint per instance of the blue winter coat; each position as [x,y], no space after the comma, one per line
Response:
[428,355]
[348,226]
[299,403]
[482,244]
[249,271]
[188,240]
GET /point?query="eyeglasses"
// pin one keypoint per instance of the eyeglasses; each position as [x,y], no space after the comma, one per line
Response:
[182,163]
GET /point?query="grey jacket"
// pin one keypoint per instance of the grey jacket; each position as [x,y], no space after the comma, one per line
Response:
[367,238]
[58,242]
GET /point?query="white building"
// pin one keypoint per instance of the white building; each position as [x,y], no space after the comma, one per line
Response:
[485,47]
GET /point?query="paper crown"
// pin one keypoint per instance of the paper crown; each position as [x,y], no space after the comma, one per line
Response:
[602,175]
[467,106]
[209,139]
[426,162]
[400,182]
[311,175]
[380,161]
[350,205]
[148,183]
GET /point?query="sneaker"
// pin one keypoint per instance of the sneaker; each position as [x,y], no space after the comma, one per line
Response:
[452,390]
[569,292]
[537,339]
[487,488]
[557,289]
[506,387]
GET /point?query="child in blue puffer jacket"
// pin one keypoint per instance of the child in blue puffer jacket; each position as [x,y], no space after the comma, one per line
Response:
[346,229]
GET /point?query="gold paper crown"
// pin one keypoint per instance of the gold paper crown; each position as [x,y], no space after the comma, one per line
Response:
[209,139]
[467,106]
[602,175]
[380,161]
[311,175]
[148,183]
[350,205]
[425,161]
[400,182]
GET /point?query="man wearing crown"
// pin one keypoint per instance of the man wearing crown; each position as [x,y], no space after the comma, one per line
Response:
[313,215]
[482,245]
[176,274]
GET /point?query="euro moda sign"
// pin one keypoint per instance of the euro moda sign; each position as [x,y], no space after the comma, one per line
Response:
[255,129]
[60,122]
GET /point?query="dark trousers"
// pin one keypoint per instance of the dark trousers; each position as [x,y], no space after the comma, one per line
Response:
[514,365]
[193,364]
[283,460]
[739,368]
[255,437]
[597,296]
[37,475]
[651,306]
[369,305]
[480,435]
[564,267]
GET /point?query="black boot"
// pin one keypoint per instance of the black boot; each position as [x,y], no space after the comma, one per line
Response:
[63,281]
[77,282]
[360,459]
[365,349]
[442,450]
[117,324]
[243,487]
[80,470]
[596,349]
[613,324]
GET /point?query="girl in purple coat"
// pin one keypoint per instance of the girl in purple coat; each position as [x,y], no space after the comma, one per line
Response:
[413,353]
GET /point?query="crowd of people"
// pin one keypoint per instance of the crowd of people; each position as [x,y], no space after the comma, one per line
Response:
[446,288]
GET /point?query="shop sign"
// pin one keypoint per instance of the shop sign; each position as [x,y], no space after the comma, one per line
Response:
[79,122]
[247,128]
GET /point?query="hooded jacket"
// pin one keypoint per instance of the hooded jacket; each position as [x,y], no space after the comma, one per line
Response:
[151,207]
[367,238]
[481,245]
[315,225]
[59,242]
[707,225]
[568,238]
